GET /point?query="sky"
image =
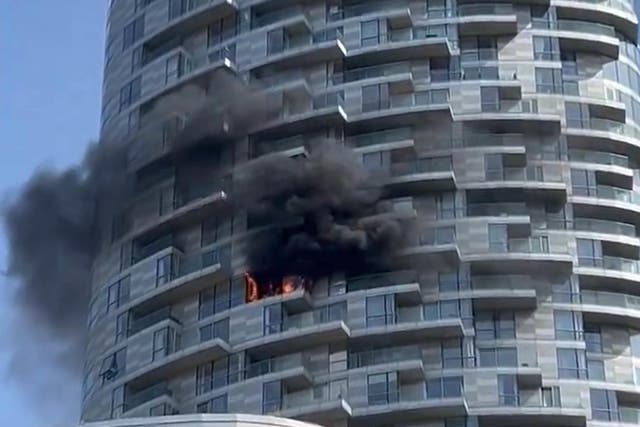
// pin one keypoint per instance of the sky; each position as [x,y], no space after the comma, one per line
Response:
[50,88]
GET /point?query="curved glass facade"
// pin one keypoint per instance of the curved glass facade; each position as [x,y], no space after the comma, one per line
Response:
[510,131]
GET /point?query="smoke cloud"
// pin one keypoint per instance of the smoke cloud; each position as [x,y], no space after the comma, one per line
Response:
[325,213]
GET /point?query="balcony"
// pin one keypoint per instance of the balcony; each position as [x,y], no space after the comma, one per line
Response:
[156,394]
[395,16]
[581,36]
[292,370]
[304,49]
[385,140]
[404,283]
[493,292]
[486,19]
[609,273]
[507,209]
[154,141]
[420,175]
[299,331]
[139,323]
[606,202]
[301,117]
[400,45]
[407,404]
[618,233]
[531,180]
[616,13]
[432,246]
[293,19]
[520,255]
[406,361]
[612,167]
[291,147]
[194,15]
[179,275]
[513,411]
[408,331]
[514,116]
[607,308]
[399,73]
[324,403]
[402,109]
[599,134]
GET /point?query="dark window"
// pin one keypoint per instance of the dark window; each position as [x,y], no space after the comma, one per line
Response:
[381,310]
[375,97]
[219,329]
[217,374]
[164,343]
[277,41]
[369,33]
[589,252]
[604,405]
[593,338]
[177,8]
[271,397]
[130,93]
[442,388]
[446,205]
[549,80]
[118,293]
[217,405]
[382,388]
[215,229]
[490,99]
[498,238]
[508,390]
[453,281]
[452,354]
[635,343]
[113,366]
[576,115]
[273,319]
[571,363]
[122,326]
[222,29]
[568,325]
[595,370]
[117,402]
[494,357]
[222,296]
[546,49]
[550,397]
[133,32]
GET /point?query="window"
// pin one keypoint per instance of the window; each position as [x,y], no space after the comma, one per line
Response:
[222,296]
[452,355]
[604,405]
[375,97]
[438,236]
[593,338]
[442,388]
[369,33]
[448,309]
[174,68]
[498,238]
[381,310]
[113,366]
[576,116]
[569,64]
[439,70]
[219,329]
[217,405]
[474,49]
[130,93]
[164,343]
[453,281]
[177,8]
[550,397]
[546,49]
[277,40]
[495,325]
[436,9]
[133,32]
[595,370]
[165,271]
[271,397]
[498,357]
[548,80]
[118,293]
[375,160]
[490,99]
[136,59]
[273,319]
[583,182]
[382,388]
[455,422]
[215,229]
[572,363]
[589,252]
[446,205]
[222,29]
[568,325]
[635,343]
[217,374]
[122,326]
[508,390]
[117,402]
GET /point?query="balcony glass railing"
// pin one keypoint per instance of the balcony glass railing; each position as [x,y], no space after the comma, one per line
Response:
[276,364]
[188,6]
[142,322]
[497,209]
[616,193]
[433,164]
[373,281]
[530,173]
[606,125]
[484,9]
[191,193]
[629,415]
[598,157]
[384,355]
[138,398]
[271,17]
[408,100]
[328,392]
[610,299]
[338,13]
[174,266]
[591,28]
[534,245]
[595,225]
[624,265]
[371,72]
[382,137]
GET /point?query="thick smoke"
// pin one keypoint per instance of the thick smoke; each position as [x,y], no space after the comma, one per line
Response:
[324,213]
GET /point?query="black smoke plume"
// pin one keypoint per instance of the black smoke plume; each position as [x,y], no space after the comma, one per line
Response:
[324,213]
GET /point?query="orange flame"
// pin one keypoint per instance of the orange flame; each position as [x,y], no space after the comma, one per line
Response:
[288,284]
[251,288]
